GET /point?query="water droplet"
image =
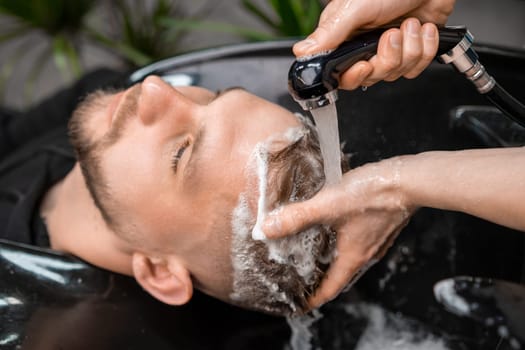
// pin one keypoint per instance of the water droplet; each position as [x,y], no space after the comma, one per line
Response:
[364,88]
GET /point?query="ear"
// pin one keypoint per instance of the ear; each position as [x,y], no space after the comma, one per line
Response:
[168,281]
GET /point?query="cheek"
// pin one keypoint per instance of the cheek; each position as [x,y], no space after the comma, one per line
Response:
[222,181]
[135,183]
[129,173]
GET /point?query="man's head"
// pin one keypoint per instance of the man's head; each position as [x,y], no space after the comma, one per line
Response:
[277,276]
[167,167]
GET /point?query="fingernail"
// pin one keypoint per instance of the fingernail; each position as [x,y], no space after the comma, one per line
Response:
[272,224]
[413,27]
[305,45]
[429,32]
[395,39]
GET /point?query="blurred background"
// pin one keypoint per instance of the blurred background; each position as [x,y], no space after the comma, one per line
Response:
[46,44]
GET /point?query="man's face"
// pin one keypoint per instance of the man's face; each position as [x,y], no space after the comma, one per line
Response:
[174,162]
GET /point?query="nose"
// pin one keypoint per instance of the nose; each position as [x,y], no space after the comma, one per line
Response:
[159,100]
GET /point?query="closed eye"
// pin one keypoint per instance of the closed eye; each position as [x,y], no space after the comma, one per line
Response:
[179,152]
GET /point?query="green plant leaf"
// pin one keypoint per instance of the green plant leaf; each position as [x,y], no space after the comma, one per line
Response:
[298,8]
[51,16]
[34,73]
[135,56]
[162,9]
[19,9]
[140,34]
[251,7]
[65,57]
[295,17]
[72,57]
[289,22]
[58,54]
[311,18]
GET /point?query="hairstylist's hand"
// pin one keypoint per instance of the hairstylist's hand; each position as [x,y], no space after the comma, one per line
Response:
[367,209]
[406,51]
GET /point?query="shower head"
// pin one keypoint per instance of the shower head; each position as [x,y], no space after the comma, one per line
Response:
[313,81]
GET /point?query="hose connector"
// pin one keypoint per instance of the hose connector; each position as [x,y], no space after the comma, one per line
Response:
[465,60]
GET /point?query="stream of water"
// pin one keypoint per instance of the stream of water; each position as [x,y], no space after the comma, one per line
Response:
[327,128]
[328,131]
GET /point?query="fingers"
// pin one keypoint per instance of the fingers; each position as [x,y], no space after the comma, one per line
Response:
[430,38]
[357,251]
[339,274]
[291,219]
[348,267]
[341,18]
[412,48]
[388,58]
[356,75]
[401,52]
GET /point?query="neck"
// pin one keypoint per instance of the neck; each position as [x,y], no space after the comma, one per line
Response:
[76,226]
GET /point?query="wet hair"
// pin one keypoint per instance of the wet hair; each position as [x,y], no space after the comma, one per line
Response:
[278,284]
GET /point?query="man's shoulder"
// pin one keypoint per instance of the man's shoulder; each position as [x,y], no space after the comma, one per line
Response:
[53,145]
[25,177]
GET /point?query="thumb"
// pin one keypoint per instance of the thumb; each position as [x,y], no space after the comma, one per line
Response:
[291,219]
[334,28]
[321,40]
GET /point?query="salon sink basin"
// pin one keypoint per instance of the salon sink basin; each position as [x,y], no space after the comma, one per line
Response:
[439,110]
